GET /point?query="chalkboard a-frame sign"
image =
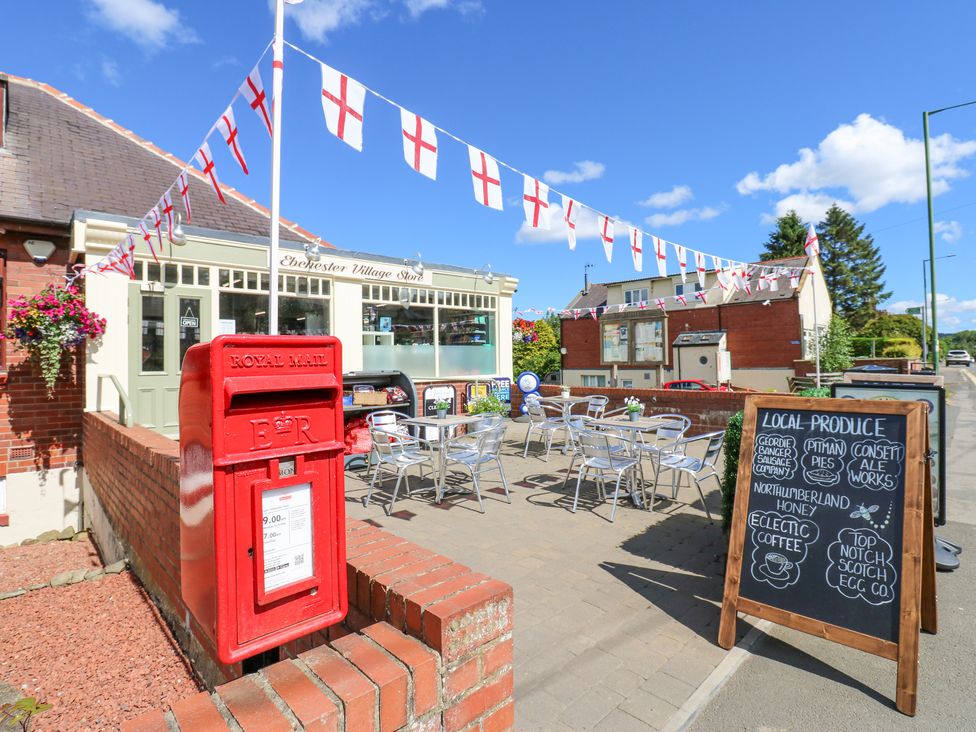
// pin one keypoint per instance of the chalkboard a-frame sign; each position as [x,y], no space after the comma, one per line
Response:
[832,530]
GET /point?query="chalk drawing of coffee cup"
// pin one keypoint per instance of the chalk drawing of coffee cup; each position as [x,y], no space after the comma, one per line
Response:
[777,565]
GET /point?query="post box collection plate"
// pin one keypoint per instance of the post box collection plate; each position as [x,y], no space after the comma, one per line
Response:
[262,524]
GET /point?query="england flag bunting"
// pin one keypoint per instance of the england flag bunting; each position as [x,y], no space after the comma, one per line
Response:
[621,307]
[131,248]
[147,237]
[157,224]
[605,224]
[485,179]
[253,91]
[593,313]
[812,245]
[228,130]
[419,143]
[342,103]
[702,295]
[535,201]
[642,305]
[636,237]
[700,268]
[660,303]
[166,204]
[774,280]
[682,261]
[682,299]
[204,159]
[570,209]
[184,185]
[794,278]
[762,281]
[576,314]
[719,273]
[661,253]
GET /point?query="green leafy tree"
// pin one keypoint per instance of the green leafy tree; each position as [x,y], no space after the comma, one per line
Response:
[787,239]
[887,325]
[541,354]
[852,267]
[836,346]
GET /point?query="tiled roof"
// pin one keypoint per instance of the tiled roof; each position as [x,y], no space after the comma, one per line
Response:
[783,293]
[596,297]
[60,155]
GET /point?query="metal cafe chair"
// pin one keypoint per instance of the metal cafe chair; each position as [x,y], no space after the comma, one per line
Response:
[681,464]
[396,454]
[594,409]
[544,423]
[482,457]
[386,420]
[667,437]
[600,457]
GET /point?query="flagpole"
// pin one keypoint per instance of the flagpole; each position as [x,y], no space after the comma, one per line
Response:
[816,327]
[277,73]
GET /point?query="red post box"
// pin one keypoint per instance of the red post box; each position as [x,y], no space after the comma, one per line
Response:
[262,514]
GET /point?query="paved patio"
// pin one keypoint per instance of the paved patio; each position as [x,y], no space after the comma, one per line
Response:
[615,623]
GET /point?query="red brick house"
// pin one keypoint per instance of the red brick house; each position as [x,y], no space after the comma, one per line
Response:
[765,332]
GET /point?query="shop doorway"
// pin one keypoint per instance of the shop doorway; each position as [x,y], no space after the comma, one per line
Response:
[164,325]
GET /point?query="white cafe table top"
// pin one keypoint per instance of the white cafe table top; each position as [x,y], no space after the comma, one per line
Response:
[448,421]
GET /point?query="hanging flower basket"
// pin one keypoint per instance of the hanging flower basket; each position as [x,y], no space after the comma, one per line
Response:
[49,325]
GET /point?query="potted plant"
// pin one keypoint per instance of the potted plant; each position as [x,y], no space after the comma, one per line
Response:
[634,408]
[50,325]
[565,391]
[488,404]
[442,405]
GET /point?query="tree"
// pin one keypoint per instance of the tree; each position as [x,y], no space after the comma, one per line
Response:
[887,325]
[852,267]
[836,346]
[787,239]
[534,347]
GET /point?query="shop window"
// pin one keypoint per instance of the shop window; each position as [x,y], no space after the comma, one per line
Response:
[395,337]
[203,276]
[467,342]
[152,272]
[616,342]
[594,380]
[152,334]
[137,268]
[252,281]
[223,278]
[186,274]
[303,316]
[243,313]
[632,297]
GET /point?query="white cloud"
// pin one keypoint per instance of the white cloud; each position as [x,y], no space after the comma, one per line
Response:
[417,8]
[583,170]
[951,231]
[871,161]
[951,310]
[586,228]
[110,70]
[683,216]
[668,199]
[147,22]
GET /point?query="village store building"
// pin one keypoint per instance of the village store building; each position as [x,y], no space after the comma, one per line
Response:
[762,336]
[446,324]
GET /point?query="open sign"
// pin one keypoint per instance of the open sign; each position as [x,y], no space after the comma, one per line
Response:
[188,321]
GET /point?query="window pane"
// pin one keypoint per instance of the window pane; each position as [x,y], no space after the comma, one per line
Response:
[152,272]
[376,293]
[313,286]
[152,333]
[467,343]
[303,316]
[203,276]
[649,342]
[326,287]
[237,279]
[616,340]
[399,338]
[264,281]
[303,285]
[170,273]
[224,278]
[137,267]
[252,280]
[249,312]
[440,298]
[365,292]
[189,324]
[186,276]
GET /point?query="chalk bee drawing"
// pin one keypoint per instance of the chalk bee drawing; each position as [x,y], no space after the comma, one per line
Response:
[865,513]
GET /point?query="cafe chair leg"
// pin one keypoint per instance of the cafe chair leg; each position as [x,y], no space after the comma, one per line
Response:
[528,434]
[579,478]
[501,471]
[549,443]
[389,509]
[569,471]
[369,493]
[702,496]
[477,491]
[616,494]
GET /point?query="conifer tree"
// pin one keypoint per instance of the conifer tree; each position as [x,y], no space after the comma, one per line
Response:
[787,239]
[852,267]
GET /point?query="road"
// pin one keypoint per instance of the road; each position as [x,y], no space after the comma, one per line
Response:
[792,681]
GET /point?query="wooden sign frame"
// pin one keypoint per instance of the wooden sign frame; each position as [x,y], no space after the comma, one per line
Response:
[917,596]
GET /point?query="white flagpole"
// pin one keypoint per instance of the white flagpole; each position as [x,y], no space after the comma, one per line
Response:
[276,79]
[816,326]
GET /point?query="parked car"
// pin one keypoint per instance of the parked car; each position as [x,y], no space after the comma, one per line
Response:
[958,357]
[693,385]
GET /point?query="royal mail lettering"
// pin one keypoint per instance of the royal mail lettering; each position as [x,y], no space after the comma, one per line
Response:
[278,360]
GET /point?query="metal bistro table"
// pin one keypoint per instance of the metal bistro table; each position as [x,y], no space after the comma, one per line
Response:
[442,426]
[566,404]
[643,424]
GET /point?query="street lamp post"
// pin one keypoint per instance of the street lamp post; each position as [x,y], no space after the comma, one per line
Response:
[932,257]
[925,295]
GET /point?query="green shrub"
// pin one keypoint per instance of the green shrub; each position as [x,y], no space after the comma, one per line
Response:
[821,393]
[901,348]
[733,438]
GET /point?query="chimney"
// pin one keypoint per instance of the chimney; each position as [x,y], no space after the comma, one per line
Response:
[586,279]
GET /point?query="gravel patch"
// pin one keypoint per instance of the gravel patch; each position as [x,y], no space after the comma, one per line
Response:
[24,566]
[98,651]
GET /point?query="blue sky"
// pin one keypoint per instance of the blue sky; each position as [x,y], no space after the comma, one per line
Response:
[699,121]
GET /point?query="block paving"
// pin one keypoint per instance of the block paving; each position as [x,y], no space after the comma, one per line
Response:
[615,623]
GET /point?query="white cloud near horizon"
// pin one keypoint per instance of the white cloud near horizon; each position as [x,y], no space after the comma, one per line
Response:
[317,19]
[863,166]
[951,231]
[951,310]
[149,23]
[668,199]
[583,170]
[683,216]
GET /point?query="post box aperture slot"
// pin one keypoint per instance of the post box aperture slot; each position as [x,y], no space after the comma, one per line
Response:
[284,536]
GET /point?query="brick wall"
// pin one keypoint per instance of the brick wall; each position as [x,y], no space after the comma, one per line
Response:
[36,432]
[427,643]
[708,410]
